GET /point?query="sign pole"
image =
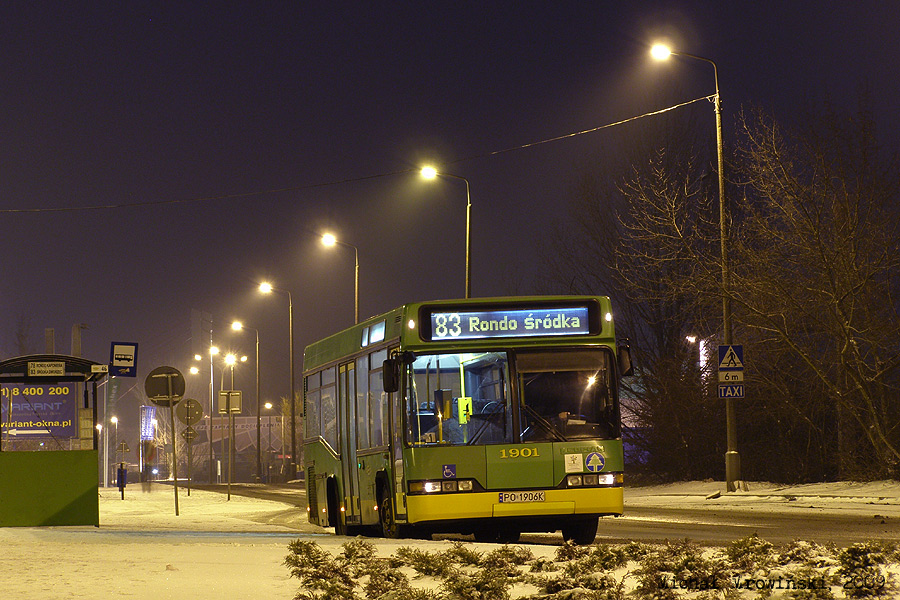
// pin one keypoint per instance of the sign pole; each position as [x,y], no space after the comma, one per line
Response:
[174,455]
[168,393]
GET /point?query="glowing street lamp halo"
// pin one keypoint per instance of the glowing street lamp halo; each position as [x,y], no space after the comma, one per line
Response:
[428,172]
[660,51]
[328,239]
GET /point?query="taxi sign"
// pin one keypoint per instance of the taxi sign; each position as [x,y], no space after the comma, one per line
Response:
[731,371]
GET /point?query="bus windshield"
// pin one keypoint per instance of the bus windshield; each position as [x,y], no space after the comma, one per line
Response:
[468,398]
[567,395]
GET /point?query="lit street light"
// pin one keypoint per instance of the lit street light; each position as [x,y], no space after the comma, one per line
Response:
[431,173]
[230,360]
[267,288]
[238,326]
[99,428]
[329,240]
[732,458]
[115,421]
[195,370]
[268,407]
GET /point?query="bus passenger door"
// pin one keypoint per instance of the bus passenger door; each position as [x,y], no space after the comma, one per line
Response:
[395,416]
[347,440]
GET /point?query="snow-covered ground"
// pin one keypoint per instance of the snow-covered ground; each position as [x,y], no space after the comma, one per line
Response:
[843,497]
[218,549]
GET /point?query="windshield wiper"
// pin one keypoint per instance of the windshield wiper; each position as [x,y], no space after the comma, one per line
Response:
[545,424]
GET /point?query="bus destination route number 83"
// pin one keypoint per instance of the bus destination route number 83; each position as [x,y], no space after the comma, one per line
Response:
[488,416]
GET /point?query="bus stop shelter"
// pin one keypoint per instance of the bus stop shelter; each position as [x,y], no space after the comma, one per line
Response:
[49,441]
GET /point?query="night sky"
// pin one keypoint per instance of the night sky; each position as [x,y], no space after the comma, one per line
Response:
[220,140]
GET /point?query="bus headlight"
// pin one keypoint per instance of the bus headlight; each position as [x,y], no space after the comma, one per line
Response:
[593,480]
[446,486]
[608,479]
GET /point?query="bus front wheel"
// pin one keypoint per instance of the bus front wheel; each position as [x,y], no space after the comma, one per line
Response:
[389,527]
[581,531]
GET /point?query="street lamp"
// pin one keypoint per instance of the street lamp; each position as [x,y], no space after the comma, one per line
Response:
[195,370]
[238,326]
[267,288]
[115,421]
[732,458]
[268,407]
[431,173]
[329,240]
[99,428]
[230,360]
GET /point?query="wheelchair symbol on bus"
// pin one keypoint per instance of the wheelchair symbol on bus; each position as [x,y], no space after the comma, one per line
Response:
[449,471]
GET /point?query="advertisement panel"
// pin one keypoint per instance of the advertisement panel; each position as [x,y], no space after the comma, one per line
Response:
[30,411]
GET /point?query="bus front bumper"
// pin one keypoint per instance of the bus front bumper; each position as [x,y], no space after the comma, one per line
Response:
[480,505]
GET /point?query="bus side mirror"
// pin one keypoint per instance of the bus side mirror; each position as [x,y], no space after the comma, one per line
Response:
[626,367]
[391,375]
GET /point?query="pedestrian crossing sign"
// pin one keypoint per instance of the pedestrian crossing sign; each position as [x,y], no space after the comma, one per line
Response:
[731,358]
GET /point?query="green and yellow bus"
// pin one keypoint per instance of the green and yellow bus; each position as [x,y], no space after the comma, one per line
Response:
[488,416]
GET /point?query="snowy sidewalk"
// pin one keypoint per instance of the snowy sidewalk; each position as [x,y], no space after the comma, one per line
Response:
[882,497]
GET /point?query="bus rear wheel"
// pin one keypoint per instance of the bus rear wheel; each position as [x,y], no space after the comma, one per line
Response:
[336,517]
[581,531]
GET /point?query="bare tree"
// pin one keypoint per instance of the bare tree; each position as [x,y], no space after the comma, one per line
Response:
[815,262]
[817,255]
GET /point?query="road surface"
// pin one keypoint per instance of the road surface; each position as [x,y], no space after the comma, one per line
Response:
[655,517]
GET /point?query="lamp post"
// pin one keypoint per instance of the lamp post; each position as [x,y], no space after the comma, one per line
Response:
[99,428]
[329,240]
[213,351]
[431,173]
[268,407]
[115,421]
[267,288]
[732,458]
[238,326]
[229,361]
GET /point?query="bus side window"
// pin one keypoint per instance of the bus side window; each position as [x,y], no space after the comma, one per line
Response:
[377,397]
[312,414]
[363,440]
[329,408]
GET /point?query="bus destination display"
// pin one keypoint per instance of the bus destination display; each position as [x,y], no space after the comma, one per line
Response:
[502,323]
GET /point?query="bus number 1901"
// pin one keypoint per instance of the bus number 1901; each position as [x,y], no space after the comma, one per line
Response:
[519,453]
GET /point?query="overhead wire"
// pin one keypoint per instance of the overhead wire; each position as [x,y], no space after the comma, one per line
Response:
[240,195]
